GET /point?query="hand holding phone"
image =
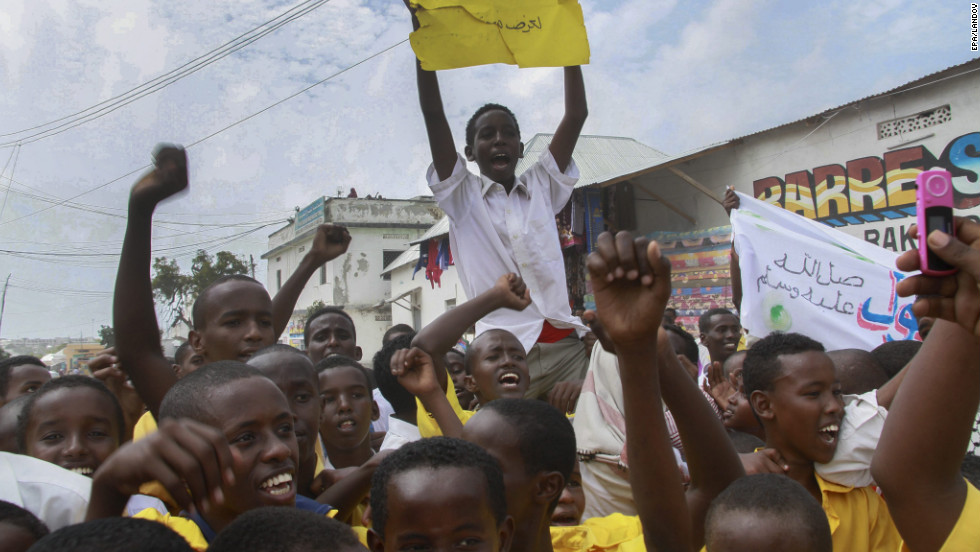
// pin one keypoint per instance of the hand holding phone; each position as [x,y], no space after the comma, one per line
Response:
[934,210]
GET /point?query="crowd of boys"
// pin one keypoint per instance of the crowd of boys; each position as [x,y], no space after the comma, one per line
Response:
[526,440]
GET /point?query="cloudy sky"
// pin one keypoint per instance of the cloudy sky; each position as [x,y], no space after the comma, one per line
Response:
[674,75]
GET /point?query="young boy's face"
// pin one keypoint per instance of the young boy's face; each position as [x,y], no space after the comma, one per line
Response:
[805,407]
[73,427]
[348,408]
[496,146]
[238,322]
[571,504]
[256,420]
[721,339]
[494,434]
[24,379]
[498,368]
[457,371]
[738,416]
[191,361]
[293,375]
[332,334]
[444,509]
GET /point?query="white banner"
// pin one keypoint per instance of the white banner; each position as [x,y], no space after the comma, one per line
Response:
[802,276]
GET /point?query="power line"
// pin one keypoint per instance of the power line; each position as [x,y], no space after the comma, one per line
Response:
[112,104]
[213,134]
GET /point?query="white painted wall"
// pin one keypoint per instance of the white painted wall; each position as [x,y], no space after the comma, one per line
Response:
[432,301]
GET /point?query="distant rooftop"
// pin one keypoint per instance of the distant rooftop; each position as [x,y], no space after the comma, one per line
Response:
[599,158]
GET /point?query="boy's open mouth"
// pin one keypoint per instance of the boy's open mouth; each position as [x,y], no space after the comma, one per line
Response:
[347,425]
[500,160]
[278,485]
[509,380]
[83,470]
[829,433]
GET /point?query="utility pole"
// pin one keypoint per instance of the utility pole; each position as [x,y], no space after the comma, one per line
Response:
[251,264]
[3,299]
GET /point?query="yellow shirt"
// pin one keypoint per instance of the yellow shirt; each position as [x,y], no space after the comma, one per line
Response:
[859,518]
[966,533]
[615,532]
[146,425]
[182,526]
[427,422]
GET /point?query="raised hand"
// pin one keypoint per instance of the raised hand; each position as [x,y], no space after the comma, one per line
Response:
[416,371]
[167,178]
[730,201]
[512,292]
[330,242]
[106,368]
[718,386]
[955,298]
[631,282]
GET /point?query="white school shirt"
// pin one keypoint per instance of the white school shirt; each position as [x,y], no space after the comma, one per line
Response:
[58,497]
[492,233]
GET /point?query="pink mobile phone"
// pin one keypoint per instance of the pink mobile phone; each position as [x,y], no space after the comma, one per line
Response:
[934,210]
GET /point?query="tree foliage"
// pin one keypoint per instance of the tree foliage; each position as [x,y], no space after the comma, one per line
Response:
[107,336]
[317,305]
[178,291]
[4,354]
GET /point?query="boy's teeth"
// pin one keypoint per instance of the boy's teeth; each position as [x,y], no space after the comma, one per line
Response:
[275,481]
[82,471]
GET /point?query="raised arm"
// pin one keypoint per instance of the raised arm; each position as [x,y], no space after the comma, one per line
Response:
[631,281]
[576,111]
[928,428]
[711,457]
[444,332]
[440,136]
[330,242]
[133,314]
[417,372]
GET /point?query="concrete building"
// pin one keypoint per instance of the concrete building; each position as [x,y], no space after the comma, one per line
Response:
[380,229]
[414,300]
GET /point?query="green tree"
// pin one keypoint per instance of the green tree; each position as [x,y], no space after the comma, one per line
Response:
[4,354]
[107,336]
[178,291]
[317,305]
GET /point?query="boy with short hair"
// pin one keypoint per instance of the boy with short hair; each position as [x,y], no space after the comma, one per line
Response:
[501,223]
[347,412]
[720,333]
[292,372]
[766,512]
[495,361]
[792,387]
[233,317]
[222,406]
[328,331]
[20,375]
[437,493]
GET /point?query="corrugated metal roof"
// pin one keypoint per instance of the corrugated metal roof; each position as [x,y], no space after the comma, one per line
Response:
[410,256]
[438,229]
[599,158]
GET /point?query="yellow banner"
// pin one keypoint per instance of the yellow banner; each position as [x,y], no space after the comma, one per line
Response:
[526,33]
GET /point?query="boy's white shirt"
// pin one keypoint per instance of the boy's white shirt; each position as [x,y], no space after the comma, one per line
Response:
[857,440]
[492,233]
